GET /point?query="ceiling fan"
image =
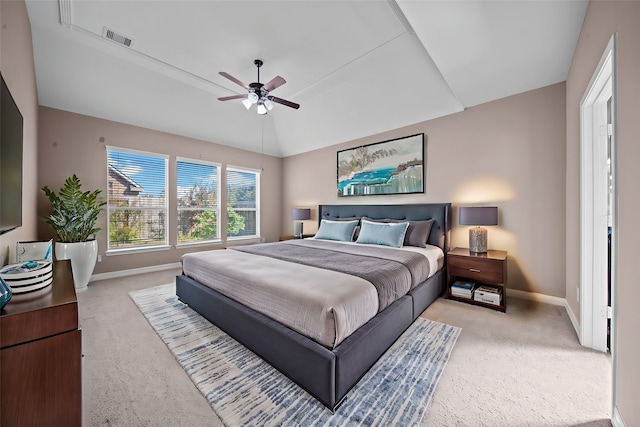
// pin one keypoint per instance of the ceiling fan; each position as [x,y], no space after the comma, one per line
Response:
[258,93]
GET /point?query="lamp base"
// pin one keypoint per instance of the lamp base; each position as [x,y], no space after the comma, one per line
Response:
[297,230]
[478,240]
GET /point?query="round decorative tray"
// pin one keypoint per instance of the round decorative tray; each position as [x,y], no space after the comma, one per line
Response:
[27,276]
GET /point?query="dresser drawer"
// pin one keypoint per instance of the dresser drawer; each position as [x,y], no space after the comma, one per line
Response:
[479,269]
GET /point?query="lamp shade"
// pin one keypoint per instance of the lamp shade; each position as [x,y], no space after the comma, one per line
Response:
[300,214]
[269,104]
[486,215]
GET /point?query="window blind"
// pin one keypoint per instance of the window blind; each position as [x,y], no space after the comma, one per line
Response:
[243,191]
[136,200]
[198,200]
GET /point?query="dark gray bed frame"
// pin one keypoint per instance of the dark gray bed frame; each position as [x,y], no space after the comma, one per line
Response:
[327,374]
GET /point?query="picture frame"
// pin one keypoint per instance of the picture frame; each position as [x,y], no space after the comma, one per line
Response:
[395,166]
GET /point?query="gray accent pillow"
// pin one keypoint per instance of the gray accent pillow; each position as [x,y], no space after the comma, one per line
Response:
[417,234]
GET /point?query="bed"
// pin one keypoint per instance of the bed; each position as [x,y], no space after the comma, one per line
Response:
[326,369]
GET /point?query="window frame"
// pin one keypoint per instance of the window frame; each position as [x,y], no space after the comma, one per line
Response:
[218,237]
[258,174]
[147,248]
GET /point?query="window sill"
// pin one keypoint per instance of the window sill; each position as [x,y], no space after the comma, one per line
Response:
[128,251]
[238,241]
[195,244]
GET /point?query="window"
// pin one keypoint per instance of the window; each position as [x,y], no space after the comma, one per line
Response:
[243,199]
[198,201]
[136,202]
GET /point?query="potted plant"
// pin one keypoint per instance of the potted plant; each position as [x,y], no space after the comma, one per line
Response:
[74,218]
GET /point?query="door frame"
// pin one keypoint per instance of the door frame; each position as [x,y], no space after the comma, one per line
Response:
[591,300]
[593,196]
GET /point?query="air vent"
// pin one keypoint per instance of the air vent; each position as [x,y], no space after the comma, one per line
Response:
[65,13]
[116,37]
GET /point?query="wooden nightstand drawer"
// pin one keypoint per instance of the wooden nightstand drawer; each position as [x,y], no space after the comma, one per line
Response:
[480,269]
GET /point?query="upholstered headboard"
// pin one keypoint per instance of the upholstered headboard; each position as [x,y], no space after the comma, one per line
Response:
[439,212]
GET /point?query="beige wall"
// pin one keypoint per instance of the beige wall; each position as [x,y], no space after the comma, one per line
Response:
[71,143]
[603,19]
[16,64]
[509,153]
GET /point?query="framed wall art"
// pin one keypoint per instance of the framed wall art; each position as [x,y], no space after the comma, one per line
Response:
[389,167]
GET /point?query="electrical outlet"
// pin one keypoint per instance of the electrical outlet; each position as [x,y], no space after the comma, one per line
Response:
[99,258]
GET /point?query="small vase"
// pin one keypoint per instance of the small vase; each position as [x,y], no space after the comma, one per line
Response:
[5,293]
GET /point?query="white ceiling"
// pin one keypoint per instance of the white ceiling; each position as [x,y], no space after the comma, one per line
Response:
[356,67]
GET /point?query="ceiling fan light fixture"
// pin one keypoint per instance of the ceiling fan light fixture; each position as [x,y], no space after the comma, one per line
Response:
[258,93]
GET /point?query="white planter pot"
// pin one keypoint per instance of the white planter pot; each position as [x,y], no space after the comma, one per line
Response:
[83,257]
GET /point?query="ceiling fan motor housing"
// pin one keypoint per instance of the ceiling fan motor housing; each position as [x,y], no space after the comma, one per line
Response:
[258,89]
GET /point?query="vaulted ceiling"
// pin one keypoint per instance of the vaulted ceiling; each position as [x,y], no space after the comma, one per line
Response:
[356,67]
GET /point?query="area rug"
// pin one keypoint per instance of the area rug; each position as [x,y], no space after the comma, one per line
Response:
[244,390]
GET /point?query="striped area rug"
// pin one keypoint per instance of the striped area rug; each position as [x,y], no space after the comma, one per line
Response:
[244,390]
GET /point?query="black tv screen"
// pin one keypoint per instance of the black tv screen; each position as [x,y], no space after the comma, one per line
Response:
[10,161]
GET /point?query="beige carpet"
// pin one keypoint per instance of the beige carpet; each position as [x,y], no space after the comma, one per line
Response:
[524,368]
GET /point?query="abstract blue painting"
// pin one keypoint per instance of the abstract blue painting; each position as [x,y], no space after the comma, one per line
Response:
[390,167]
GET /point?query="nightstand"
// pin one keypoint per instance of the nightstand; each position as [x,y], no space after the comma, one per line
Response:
[489,268]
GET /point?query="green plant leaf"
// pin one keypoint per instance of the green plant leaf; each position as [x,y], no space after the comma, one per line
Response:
[74,212]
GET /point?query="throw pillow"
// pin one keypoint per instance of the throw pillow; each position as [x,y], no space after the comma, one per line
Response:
[380,233]
[336,230]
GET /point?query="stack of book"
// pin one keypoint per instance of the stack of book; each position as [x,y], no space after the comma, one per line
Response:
[463,289]
[488,295]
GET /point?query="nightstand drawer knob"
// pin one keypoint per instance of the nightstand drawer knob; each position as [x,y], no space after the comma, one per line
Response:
[475,270]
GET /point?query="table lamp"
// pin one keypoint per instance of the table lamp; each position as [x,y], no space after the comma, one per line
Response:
[299,215]
[487,215]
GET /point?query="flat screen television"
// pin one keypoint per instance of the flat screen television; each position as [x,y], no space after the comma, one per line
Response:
[10,161]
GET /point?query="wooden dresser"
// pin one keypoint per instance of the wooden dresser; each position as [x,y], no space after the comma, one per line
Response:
[41,356]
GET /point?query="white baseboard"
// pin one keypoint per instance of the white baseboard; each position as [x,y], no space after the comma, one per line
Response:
[616,420]
[548,299]
[132,271]
[534,296]
[572,317]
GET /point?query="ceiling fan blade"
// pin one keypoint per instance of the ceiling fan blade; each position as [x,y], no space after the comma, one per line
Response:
[284,102]
[233,79]
[229,98]
[276,82]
